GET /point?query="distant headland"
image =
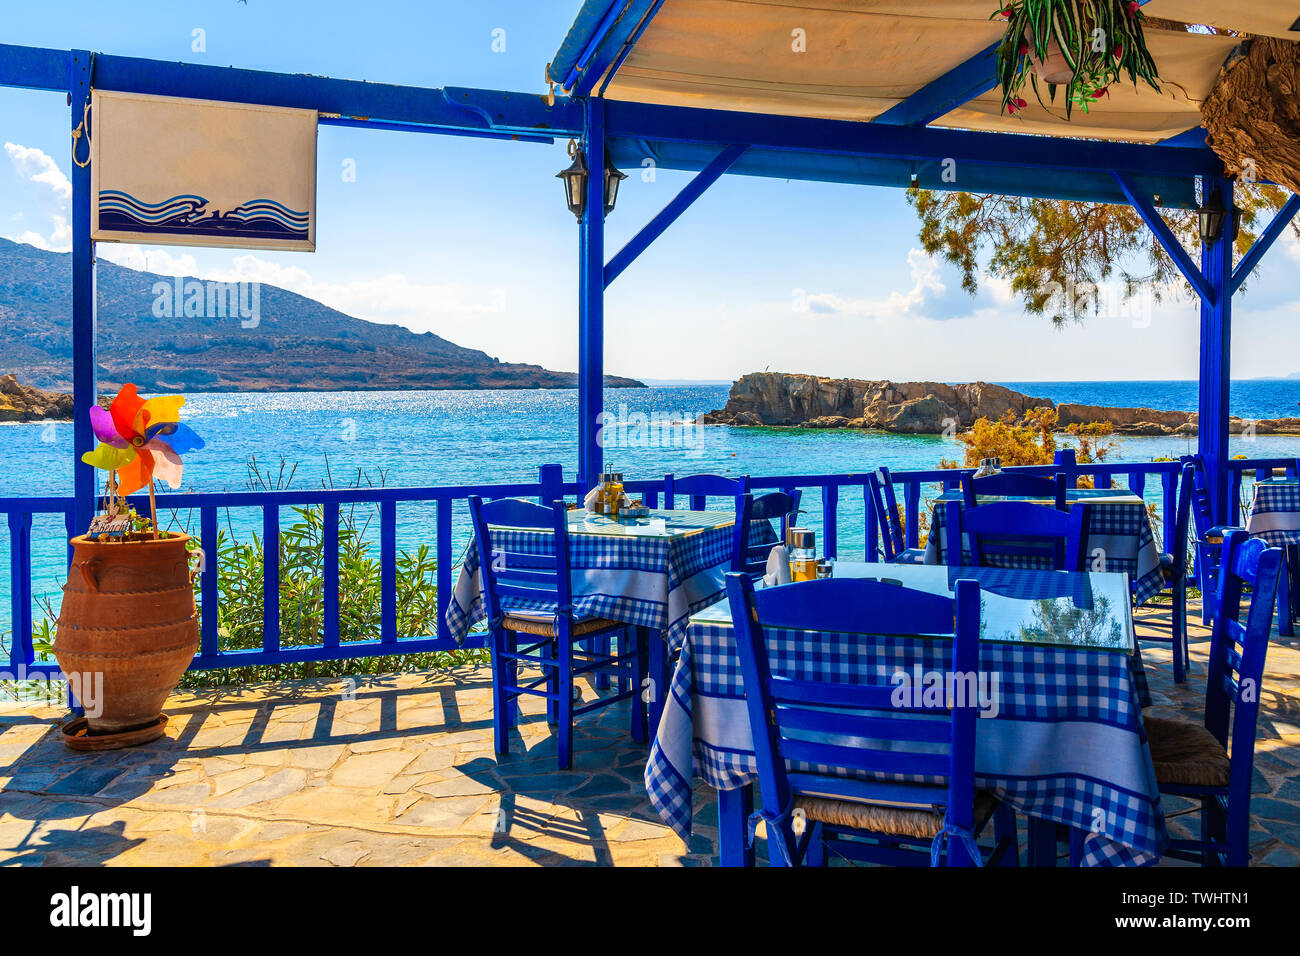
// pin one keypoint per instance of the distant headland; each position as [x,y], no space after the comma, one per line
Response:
[170,334]
[934,408]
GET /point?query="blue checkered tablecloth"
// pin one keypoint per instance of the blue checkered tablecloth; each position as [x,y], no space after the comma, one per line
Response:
[1119,535]
[1066,745]
[1275,512]
[651,579]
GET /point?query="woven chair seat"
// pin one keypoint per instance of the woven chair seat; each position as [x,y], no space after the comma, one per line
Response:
[545,626]
[923,823]
[1186,753]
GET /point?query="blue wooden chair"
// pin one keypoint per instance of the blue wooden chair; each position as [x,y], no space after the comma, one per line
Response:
[528,592]
[885,504]
[699,488]
[864,811]
[751,556]
[1196,760]
[1013,485]
[1173,564]
[1016,534]
[1209,538]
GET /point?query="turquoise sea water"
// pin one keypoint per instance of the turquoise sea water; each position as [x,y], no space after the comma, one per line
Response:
[465,437]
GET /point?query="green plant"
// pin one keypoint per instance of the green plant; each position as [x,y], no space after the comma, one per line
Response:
[240,568]
[1100,41]
[1032,441]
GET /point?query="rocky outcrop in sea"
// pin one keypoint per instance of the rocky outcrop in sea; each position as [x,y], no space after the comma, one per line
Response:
[22,403]
[933,408]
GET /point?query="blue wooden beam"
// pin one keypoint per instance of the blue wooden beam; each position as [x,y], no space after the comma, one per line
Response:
[652,230]
[439,130]
[941,96]
[450,109]
[529,114]
[33,68]
[591,304]
[85,391]
[678,124]
[1193,138]
[1168,241]
[612,46]
[1095,186]
[1216,361]
[594,19]
[1263,242]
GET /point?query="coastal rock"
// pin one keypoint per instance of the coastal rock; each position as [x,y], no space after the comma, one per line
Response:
[1071,414]
[778,398]
[932,408]
[22,403]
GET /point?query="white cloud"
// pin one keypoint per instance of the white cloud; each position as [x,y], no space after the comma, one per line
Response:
[926,285]
[148,260]
[37,166]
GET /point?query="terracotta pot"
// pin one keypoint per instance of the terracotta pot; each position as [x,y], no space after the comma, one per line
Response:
[1053,68]
[128,613]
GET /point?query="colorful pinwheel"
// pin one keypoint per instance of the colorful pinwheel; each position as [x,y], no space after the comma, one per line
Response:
[141,439]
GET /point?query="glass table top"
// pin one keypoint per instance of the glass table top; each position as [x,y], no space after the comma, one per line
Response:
[1049,608]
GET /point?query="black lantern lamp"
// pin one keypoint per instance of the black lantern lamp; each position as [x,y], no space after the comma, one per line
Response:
[575,180]
[1212,215]
[612,178]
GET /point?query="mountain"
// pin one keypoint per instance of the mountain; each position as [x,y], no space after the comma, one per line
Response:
[288,341]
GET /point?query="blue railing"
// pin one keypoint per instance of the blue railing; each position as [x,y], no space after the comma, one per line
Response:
[1136,476]
[447,542]
[19,513]
[1244,472]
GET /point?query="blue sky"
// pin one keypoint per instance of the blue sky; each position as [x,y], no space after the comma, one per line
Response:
[470,239]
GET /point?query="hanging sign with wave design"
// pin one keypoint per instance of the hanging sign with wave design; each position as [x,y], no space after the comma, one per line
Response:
[196,172]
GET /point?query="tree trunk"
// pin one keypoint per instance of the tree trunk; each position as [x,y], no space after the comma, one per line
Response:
[1252,117]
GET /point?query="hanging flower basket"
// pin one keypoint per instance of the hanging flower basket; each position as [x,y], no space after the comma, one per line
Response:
[1085,46]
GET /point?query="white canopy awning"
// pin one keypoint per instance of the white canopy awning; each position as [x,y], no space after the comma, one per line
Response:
[860,58]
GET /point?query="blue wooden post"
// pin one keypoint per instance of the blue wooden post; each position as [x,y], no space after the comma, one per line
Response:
[84,390]
[591,304]
[1216,372]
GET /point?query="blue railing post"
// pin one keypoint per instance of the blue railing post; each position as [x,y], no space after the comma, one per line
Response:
[1169,504]
[551,478]
[270,578]
[84,389]
[830,521]
[591,303]
[1069,463]
[330,576]
[442,547]
[912,511]
[20,588]
[388,572]
[1216,343]
[209,640]
[871,535]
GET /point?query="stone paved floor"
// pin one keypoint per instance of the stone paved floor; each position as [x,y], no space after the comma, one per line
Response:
[400,770]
